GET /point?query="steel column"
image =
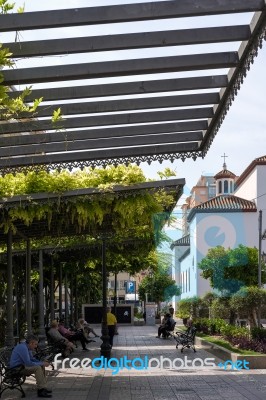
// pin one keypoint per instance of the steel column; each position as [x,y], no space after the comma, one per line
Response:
[52,315]
[9,303]
[60,283]
[28,288]
[41,299]
[105,346]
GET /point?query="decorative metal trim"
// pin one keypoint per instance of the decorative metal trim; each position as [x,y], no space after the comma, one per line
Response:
[100,163]
[238,80]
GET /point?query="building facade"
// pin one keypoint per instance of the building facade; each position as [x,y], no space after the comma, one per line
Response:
[228,219]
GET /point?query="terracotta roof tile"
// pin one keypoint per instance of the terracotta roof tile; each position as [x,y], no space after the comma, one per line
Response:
[225,173]
[224,203]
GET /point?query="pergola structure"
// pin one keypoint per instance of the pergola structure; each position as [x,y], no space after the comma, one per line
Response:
[142,108]
[41,229]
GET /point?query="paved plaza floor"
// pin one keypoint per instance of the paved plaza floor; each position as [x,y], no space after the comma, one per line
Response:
[171,382]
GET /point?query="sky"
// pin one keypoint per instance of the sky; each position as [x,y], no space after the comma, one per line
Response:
[241,137]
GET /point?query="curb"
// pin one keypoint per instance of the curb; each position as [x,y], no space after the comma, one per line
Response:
[255,361]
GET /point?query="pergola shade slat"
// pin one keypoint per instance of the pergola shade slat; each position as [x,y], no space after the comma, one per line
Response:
[130,104]
[127,88]
[96,144]
[69,136]
[125,13]
[130,41]
[121,68]
[107,120]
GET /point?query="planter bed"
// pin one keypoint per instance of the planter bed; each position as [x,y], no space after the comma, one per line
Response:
[256,361]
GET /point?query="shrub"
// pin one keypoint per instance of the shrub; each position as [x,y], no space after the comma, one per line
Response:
[211,326]
[258,333]
[231,331]
[220,308]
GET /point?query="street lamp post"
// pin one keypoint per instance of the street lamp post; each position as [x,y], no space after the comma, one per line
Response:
[261,237]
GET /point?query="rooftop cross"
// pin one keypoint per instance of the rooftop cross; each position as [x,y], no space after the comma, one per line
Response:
[224,164]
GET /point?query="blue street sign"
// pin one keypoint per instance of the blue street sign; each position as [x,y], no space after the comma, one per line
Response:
[130,287]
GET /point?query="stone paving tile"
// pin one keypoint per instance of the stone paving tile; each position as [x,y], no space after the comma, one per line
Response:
[210,383]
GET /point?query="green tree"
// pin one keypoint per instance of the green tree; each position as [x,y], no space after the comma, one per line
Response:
[227,269]
[189,307]
[159,287]
[220,308]
[248,300]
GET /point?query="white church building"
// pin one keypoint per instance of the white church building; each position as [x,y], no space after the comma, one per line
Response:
[228,219]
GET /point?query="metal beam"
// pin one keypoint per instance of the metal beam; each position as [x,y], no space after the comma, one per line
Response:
[121,68]
[124,13]
[52,137]
[144,103]
[113,119]
[141,40]
[142,140]
[126,88]
[99,154]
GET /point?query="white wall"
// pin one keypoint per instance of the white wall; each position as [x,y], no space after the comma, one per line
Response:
[209,230]
[254,188]
[248,189]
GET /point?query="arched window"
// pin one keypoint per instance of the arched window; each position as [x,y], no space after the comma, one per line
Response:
[225,186]
[231,187]
[220,187]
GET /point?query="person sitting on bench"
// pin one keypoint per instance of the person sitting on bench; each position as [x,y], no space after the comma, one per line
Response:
[56,336]
[22,355]
[167,325]
[85,327]
[73,336]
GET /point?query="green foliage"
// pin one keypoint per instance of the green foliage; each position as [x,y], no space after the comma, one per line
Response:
[247,298]
[226,269]
[209,298]
[167,173]
[258,333]
[160,287]
[134,213]
[131,216]
[231,331]
[184,309]
[189,307]
[220,308]
[12,107]
[209,325]
[6,6]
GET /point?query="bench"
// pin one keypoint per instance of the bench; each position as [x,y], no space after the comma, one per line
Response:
[49,352]
[169,332]
[11,378]
[185,339]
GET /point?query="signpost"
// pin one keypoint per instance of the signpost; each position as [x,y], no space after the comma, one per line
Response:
[150,314]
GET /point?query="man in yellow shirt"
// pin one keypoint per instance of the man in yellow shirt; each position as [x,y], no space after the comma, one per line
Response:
[111,323]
